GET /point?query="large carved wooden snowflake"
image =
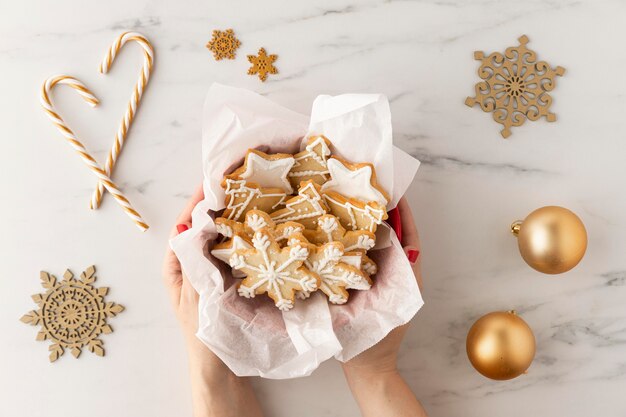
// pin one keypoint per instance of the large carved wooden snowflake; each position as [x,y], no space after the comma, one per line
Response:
[72,313]
[515,86]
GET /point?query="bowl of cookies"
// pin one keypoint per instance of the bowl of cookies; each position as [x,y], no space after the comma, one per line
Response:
[290,251]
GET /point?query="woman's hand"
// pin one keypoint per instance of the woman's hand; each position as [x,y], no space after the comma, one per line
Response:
[373,375]
[216,391]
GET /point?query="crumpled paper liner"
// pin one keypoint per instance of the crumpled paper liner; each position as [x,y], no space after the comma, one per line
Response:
[252,336]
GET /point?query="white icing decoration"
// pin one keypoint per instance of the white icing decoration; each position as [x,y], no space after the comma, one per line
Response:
[369,268]
[255,222]
[268,172]
[353,183]
[224,229]
[362,242]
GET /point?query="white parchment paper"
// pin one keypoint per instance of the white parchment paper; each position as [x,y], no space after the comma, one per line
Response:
[252,336]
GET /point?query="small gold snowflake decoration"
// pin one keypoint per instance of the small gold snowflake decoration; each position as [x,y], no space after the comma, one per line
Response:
[72,313]
[515,86]
[223,44]
[262,64]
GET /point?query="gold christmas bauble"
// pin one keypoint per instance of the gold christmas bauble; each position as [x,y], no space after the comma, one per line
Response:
[500,345]
[551,239]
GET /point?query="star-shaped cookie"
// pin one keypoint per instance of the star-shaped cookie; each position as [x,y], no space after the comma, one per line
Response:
[269,171]
[357,181]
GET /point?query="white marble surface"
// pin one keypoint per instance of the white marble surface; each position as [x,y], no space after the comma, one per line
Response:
[472,184]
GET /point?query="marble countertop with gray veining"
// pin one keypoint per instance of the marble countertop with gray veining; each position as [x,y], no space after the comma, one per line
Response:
[471,186]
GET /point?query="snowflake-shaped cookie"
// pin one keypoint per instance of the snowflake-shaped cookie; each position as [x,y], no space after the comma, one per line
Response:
[304,208]
[277,271]
[329,229]
[336,275]
[262,64]
[311,163]
[515,86]
[223,44]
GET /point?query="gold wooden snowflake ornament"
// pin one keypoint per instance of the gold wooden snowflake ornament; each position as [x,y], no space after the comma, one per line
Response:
[223,44]
[72,313]
[516,86]
[262,64]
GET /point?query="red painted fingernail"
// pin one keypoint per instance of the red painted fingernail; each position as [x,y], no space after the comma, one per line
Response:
[181,228]
[412,255]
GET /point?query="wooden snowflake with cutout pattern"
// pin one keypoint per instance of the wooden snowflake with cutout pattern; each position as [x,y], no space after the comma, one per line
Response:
[515,86]
[223,44]
[72,313]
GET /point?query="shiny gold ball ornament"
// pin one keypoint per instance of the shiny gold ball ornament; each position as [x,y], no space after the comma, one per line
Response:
[551,239]
[500,345]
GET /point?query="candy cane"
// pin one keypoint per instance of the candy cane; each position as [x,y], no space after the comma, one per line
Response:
[131,108]
[69,135]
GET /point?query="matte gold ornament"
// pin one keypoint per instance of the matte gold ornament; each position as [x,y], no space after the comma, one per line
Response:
[551,239]
[515,86]
[72,313]
[500,345]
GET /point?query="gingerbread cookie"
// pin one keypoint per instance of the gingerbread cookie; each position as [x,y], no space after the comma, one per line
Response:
[329,229]
[354,214]
[242,196]
[256,220]
[337,276]
[311,163]
[305,208]
[268,171]
[355,181]
[277,271]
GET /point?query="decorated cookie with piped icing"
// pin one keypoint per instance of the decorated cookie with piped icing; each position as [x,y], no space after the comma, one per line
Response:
[355,214]
[243,196]
[311,163]
[329,229]
[355,181]
[336,276]
[305,208]
[265,170]
[279,272]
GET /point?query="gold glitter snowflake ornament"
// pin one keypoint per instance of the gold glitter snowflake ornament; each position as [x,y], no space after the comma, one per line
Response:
[262,64]
[72,313]
[515,86]
[223,44]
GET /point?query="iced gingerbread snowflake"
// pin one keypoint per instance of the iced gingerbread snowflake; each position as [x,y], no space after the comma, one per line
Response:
[223,44]
[515,86]
[72,313]
[277,271]
[336,276]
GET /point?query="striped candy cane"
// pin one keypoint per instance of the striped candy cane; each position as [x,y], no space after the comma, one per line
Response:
[69,135]
[131,108]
